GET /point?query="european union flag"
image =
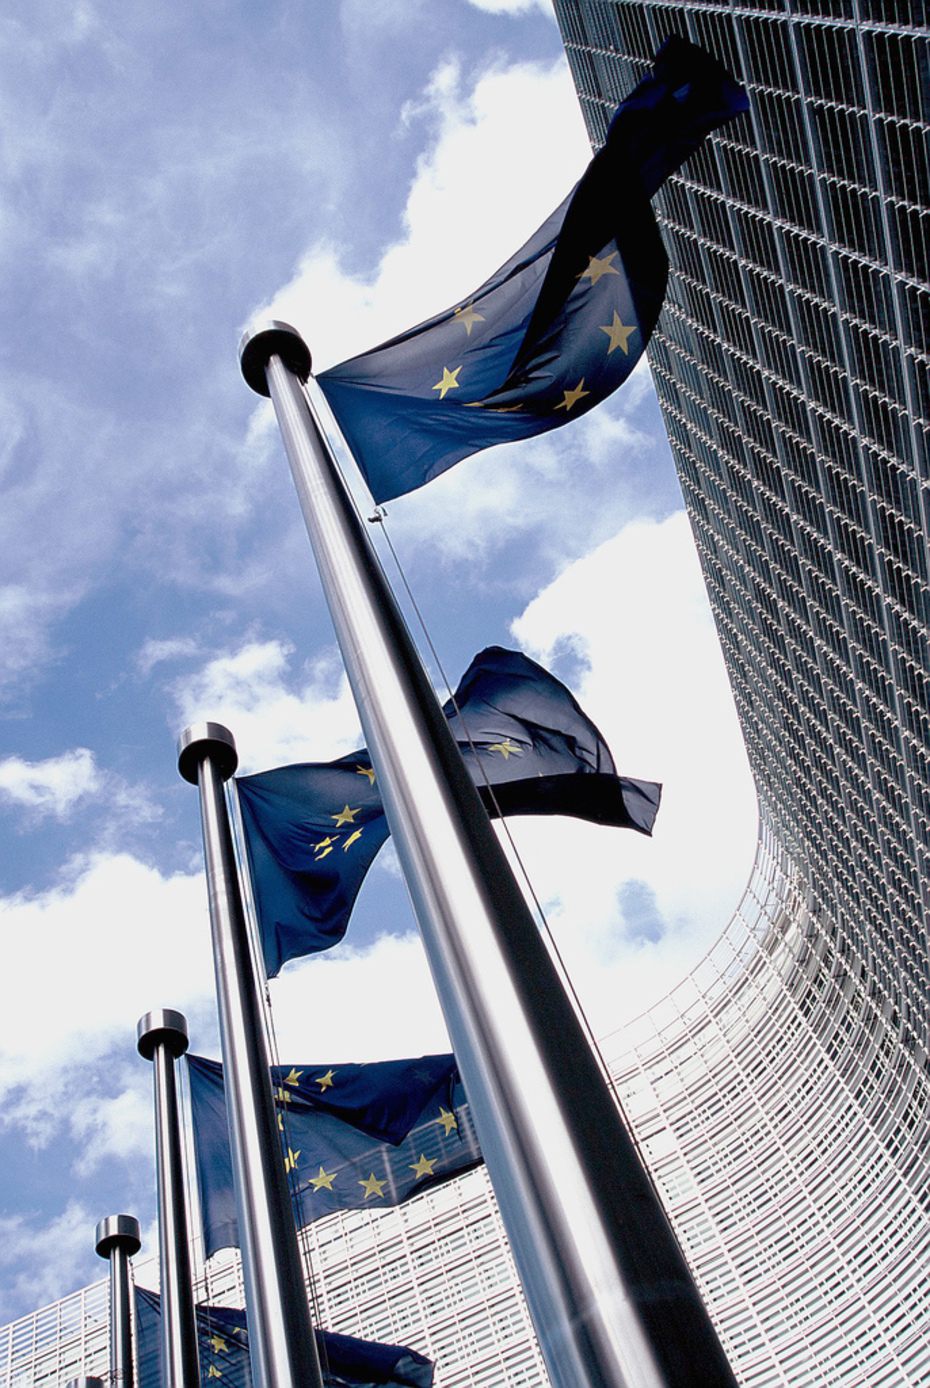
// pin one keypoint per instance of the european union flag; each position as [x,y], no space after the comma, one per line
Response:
[354,1136]
[311,833]
[312,830]
[562,324]
[223,1345]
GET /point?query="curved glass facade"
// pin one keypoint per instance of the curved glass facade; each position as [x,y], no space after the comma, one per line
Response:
[781,1094]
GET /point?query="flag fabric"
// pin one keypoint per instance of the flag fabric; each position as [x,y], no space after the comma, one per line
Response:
[311,833]
[223,1346]
[531,749]
[312,830]
[353,1136]
[562,324]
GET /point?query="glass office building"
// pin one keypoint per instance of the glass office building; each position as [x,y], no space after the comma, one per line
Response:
[781,1093]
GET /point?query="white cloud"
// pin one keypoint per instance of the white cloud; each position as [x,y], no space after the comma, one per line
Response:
[633,914]
[118,939]
[274,717]
[52,786]
[506,153]
[155,652]
[41,1258]
[359,1004]
[512,6]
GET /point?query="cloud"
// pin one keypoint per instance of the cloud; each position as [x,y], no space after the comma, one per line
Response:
[377,1003]
[111,942]
[630,629]
[40,1257]
[155,652]
[52,786]
[274,716]
[505,152]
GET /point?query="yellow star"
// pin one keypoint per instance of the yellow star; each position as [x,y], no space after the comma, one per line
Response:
[219,1345]
[619,335]
[373,1186]
[506,748]
[449,381]
[293,1077]
[368,771]
[345,816]
[290,1161]
[351,839]
[214,1372]
[280,1123]
[598,268]
[322,848]
[325,1081]
[573,396]
[424,1167]
[325,1178]
[468,317]
[448,1120]
[282,1096]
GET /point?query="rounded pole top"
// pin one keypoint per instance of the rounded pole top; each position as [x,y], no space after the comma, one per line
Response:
[267,340]
[118,1231]
[203,740]
[163,1027]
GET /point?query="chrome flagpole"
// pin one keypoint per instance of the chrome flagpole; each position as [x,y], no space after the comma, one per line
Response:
[612,1298]
[282,1346]
[118,1238]
[162,1038]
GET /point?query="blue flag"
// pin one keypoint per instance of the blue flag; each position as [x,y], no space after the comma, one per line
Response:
[562,324]
[353,1136]
[312,830]
[223,1345]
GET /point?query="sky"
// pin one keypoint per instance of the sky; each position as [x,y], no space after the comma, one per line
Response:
[170,174]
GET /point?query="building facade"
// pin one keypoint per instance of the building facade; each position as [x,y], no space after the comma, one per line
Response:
[781,1093]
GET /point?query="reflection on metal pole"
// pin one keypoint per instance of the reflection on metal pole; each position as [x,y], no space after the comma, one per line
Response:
[162,1038]
[611,1295]
[118,1238]
[281,1341]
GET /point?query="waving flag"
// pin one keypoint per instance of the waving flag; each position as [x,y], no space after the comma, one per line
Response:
[562,324]
[354,1136]
[312,830]
[223,1345]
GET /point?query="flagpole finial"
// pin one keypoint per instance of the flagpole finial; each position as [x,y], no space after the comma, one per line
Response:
[118,1232]
[211,740]
[162,1027]
[272,339]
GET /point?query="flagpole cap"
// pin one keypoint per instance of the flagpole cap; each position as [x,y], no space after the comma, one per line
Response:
[163,1027]
[202,740]
[118,1231]
[267,340]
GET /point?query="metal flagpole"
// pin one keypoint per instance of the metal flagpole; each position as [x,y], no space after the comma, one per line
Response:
[118,1238]
[162,1038]
[281,1341]
[612,1298]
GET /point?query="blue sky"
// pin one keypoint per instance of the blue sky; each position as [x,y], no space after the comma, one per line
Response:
[169,174]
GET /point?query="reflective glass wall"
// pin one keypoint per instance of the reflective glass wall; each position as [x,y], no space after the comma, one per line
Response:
[782,1091]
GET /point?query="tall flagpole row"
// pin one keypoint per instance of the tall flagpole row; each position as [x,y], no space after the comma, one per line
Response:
[281,1341]
[611,1296]
[162,1038]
